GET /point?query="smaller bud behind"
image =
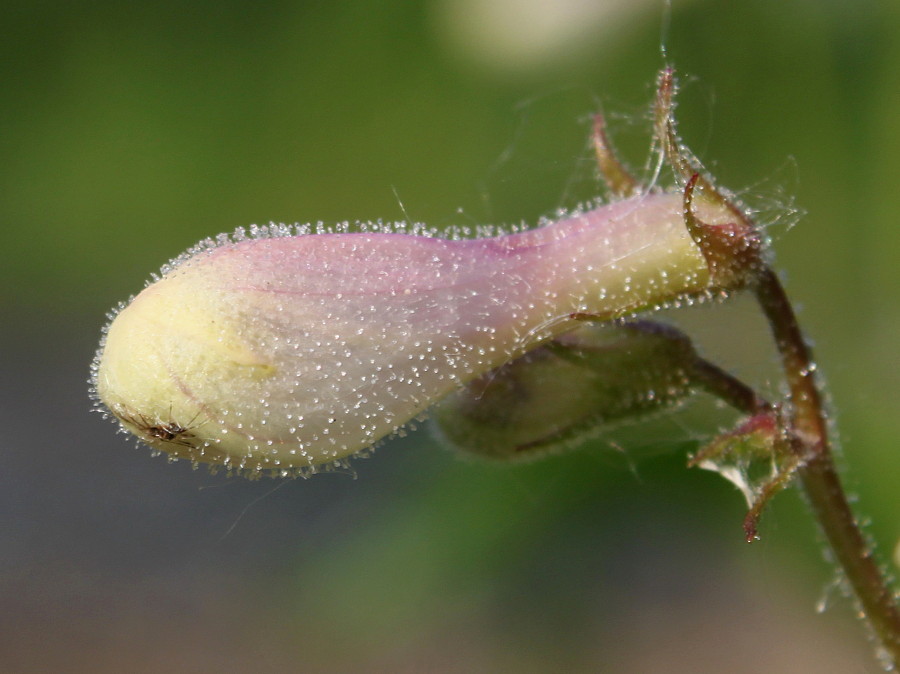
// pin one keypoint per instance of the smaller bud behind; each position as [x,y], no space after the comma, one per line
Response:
[595,376]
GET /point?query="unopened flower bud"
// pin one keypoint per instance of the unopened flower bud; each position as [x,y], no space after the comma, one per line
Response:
[580,383]
[281,353]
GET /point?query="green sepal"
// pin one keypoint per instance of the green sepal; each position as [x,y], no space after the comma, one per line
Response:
[551,398]
[757,458]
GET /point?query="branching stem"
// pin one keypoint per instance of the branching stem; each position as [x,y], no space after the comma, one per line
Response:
[817,473]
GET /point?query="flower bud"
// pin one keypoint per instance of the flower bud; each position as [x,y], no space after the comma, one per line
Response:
[575,385]
[281,353]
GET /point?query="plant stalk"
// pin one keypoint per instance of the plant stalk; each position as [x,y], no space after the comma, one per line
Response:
[728,388]
[818,475]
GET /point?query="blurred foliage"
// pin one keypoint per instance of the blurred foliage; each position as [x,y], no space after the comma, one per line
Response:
[129,131]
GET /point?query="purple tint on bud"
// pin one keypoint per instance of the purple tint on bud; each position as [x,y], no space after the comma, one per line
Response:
[276,355]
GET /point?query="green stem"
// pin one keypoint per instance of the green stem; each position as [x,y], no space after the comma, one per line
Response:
[818,474]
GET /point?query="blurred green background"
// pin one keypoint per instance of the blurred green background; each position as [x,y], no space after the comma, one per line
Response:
[129,131]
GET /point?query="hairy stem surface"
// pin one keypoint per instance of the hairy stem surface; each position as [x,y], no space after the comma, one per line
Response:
[818,474]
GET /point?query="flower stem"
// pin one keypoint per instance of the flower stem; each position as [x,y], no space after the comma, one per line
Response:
[818,474]
[728,388]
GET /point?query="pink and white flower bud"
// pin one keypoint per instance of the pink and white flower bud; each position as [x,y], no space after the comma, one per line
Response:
[275,355]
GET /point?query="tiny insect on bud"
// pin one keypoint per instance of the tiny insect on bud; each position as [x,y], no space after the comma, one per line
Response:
[281,353]
[578,384]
